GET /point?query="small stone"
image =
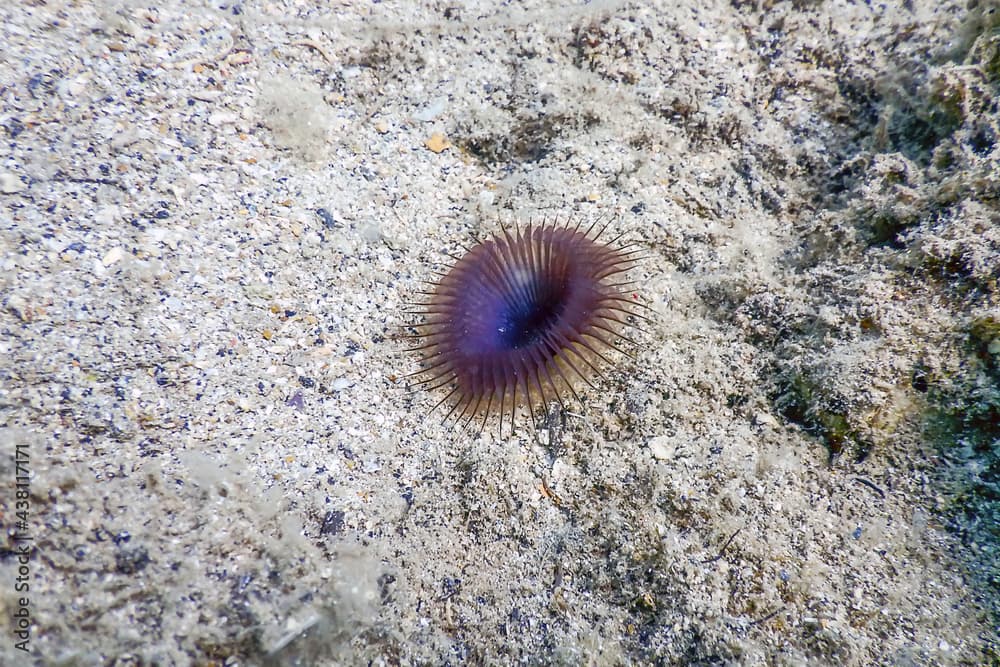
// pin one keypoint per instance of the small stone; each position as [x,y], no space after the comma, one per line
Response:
[18,306]
[661,448]
[239,58]
[112,256]
[296,401]
[765,419]
[222,118]
[10,183]
[437,143]
[207,95]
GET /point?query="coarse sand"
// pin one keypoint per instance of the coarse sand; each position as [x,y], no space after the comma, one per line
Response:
[214,214]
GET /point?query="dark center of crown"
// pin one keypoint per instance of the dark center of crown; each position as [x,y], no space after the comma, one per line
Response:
[525,321]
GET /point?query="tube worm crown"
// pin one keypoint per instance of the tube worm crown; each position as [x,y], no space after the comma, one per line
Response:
[522,317]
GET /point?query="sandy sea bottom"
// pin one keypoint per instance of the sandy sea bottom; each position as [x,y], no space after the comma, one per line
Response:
[215,213]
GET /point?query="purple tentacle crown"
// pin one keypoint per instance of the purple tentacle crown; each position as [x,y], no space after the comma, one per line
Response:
[522,317]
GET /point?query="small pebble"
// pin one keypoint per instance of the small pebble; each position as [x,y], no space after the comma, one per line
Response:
[112,256]
[10,183]
[661,448]
[765,419]
[437,143]
[222,118]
